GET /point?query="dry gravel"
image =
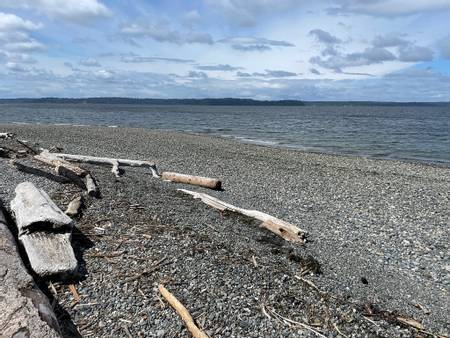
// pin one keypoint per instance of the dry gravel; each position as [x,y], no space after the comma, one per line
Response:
[379,229]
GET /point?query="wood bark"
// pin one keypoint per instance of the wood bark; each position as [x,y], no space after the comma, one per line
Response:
[281,228]
[24,309]
[182,312]
[211,183]
[109,161]
[44,230]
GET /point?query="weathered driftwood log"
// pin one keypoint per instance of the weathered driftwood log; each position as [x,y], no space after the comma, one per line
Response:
[38,172]
[114,162]
[50,159]
[91,186]
[71,175]
[74,207]
[182,312]
[44,230]
[7,135]
[282,228]
[24,309]
[211,183]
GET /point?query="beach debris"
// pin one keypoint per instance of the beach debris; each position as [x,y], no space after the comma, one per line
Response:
[74,207]
[4,152]
[73,290]
[206,182]
[25,310]
[286,230]
[7,135]
[26,145]
[115,163]
[70,171]
[44,230]
[182,312]
[38,172]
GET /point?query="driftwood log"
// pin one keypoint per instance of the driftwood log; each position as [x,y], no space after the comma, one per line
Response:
[74,207]
[24,309]
[182,312]
[7,135]
[44,230]
[211,183]
[115,163]
[50,159]
[281,228]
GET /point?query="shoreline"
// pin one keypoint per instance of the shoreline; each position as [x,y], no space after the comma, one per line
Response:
[245,140]
[378,228]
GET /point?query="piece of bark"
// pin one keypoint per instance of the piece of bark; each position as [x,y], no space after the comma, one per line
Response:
[44,230]
[24,310]
[35,211]
[207,182]
[50,254]
[182,312]
[281,228]
[50,159]
[109,161]
[39,172]
[74,207]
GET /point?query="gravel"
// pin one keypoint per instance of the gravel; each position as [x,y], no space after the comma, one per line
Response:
[379,230]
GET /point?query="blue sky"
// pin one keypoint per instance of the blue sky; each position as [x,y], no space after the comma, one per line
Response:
[390,50]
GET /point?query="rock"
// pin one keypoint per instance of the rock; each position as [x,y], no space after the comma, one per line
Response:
[24,309]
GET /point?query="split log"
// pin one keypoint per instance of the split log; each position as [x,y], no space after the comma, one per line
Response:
[211,183]
[39,172]
[24,309]
[281,228]
[74,207]
[109,161]
[35,211]
[182,312]
[7,135]
[44,230]
[71,175]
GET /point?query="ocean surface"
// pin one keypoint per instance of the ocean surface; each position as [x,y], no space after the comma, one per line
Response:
[414,133]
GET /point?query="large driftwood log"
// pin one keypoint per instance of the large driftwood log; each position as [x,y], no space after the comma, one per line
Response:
[115,163]
[182,312]
[24,309]
[211,183]
[44,230]
[282,228]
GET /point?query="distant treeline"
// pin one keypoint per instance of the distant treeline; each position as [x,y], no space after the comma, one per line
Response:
[215,102]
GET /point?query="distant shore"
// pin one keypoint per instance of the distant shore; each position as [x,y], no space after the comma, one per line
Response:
[380,222]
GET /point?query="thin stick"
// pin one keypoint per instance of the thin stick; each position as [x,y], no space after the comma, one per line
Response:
[339,331]
[182,312]
[290,321]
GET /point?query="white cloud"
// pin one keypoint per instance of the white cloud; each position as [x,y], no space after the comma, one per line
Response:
[249,44]
[15,34]
[390,7]
[79,11]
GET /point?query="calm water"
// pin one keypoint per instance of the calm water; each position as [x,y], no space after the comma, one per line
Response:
[411,133]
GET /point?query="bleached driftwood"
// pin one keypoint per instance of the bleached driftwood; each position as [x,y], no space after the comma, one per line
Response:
[50,159]
[74,207]
[91,186]
[182,312]
[38,172]
[7,135]
[211,183]
[115,168]
[282,228]
[113,162]
[44,231]
[24,310]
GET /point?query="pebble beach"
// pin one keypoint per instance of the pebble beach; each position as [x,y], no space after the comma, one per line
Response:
[378,234]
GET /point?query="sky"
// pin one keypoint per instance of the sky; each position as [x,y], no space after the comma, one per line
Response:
[378,50]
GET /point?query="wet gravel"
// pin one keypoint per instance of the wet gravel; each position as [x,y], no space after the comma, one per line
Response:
[379,230]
